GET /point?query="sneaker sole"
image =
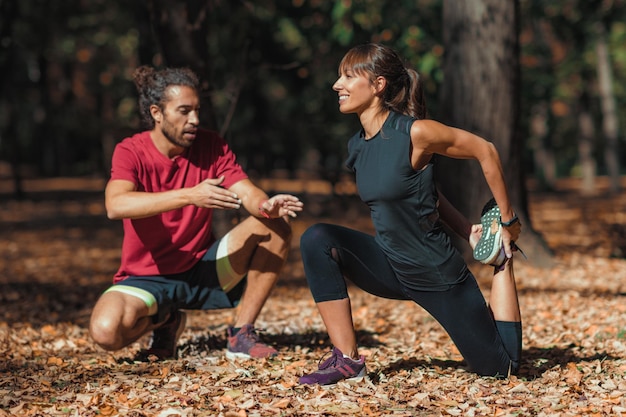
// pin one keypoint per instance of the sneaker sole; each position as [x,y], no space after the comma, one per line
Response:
[358,377]
[237,355]
[490,243]
[241,355]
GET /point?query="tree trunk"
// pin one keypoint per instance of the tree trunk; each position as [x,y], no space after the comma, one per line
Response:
[545,164]
[181,30]
[586,146]
[609,111]
[541,117]
[9,132]
[108,141]
[480,94]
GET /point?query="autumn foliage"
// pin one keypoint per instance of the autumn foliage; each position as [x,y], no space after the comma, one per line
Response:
[58,253]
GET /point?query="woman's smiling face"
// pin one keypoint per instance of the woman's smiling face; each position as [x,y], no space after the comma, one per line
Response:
[356,91]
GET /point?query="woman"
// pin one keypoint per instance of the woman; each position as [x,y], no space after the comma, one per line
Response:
[411,257]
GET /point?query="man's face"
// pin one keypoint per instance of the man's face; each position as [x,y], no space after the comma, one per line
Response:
[179,120]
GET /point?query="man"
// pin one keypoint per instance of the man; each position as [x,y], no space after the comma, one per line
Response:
[165,183]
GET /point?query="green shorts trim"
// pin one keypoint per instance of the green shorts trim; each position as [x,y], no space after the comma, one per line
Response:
[144,295]
[209,285]
[226,275]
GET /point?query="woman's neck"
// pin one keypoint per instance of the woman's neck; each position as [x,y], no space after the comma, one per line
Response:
[372,122]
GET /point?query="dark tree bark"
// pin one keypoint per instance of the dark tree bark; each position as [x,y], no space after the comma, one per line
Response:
[181,29]
[146,47]
[8,15]
[543,156]
[586,144]
[541,115]
[610,124]
[480,94]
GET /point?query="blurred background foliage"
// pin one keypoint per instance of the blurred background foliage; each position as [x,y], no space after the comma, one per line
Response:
[267,68]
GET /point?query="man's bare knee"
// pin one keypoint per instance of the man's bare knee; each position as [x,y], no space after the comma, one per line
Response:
[105,333]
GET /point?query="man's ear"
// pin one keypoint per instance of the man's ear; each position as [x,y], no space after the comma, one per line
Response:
[156,113]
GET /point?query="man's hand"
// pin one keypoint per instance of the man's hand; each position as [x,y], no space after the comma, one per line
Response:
[281,205]
[209,194]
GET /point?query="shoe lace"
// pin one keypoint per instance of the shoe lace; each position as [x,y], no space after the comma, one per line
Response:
[251,335]
[517,248]
[324,363]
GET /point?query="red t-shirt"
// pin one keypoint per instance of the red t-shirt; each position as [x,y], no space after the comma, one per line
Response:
[171,242]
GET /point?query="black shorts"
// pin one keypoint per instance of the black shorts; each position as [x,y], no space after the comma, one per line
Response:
[196,289]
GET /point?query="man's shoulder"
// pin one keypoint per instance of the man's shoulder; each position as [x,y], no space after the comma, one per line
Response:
[137,140]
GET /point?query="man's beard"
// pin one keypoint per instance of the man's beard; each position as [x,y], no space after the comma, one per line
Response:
[170,135]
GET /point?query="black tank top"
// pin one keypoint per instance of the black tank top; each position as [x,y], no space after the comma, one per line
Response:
[403,205]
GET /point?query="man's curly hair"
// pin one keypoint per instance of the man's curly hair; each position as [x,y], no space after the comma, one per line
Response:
[152,85]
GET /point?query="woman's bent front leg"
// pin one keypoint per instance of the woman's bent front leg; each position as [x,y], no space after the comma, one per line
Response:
[332,253]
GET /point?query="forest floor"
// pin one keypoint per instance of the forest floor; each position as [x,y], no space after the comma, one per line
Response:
[58,252]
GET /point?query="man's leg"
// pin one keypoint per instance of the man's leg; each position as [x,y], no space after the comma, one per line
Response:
[257,248]
[119,319]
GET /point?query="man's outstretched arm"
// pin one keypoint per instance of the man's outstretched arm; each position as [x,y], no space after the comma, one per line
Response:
[123,201]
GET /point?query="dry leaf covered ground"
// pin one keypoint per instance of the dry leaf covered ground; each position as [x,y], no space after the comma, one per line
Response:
[58,253]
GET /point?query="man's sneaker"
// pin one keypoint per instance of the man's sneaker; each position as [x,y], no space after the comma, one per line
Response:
[336,368]
[247,344]
[489,249]
[165,338]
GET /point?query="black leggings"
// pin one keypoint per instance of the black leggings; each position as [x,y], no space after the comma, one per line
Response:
[331,252]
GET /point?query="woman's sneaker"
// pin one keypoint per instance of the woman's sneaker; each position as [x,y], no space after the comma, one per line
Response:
[335,369]
[489,250]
